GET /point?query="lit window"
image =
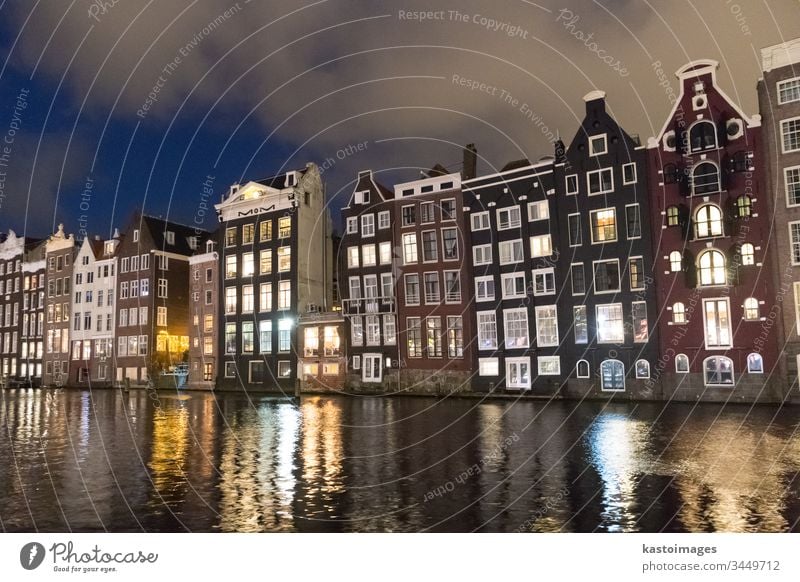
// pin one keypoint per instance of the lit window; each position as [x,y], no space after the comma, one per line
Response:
[368,225]
[265,230]
[541,246]
[385,250]
[538,211]
[510,251]
[487,330]
[230,300]
[748,254]
[580,324]
[717,323]
[455,337]
[285,227]
[434,336]
[794,239]
[247,299]
[516,328]
[755,364]
[488,367]
[248,340]
[604,225]
[369,259]
[265,297]
[636,273]
[678,313]
[751,309]
[248,233]
[284,259]
[612,375]
[718,371]
[675,261]
[640,326]
[284,294]
[284,335]
[230,267]
[248,265]
[230,237]
[518,373]
[352,258]
[546,326]
[414,337]
[357,330]
[610,324]
[708,221]
[744,206]
[265,262]
[410,248]
[712,268]
[673,216]
[549,365]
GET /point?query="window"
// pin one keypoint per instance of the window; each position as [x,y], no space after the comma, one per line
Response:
[284,335]
[362,197]
[544,281]
[430,247]
[265,297]
[162,288]
[577,278]
[541,246]
[538,211]
[513,285]
[432,295]
[675,261]
[357,330]
[426,214]
[455,337]
[265,230]
[368,225]
[612,375]
[387,287]
[549,365]
[703,136]
[487,330]
[604,225]
[705,178]
[284,259]
[708,221]
[434,336]
[518,373]
[571,184]
[515,323]
[629,173]
[284,369]
[385,250]
[581,324]
[789,91]
[718,325]
[794,237]
[642,369]
[791,178]
[508,218]
[482,255]
[352,225]
[790,132]
[678,312]
[633,221]
[371,288]
[384,220]
[511,251]
[247,337]
[352,257]
[248,233]
[248,265]
[389,332]
[636,273]
[409,215]
[682,364]
[452,286]
[230,237]
[751,309]
[247,299]
[284,294]
[574,227]
[230,267]
[373,330]
[356,362]
[488,367]
[582,369]
[673,216]
[414,337]
[484,288]
[368,257]
[412,288]
[598,145]
[744,206]
[748,254]
[285,227]
[606,276]
[546,326]
[600,181]
[712,268]
[640,326]
[610,325]
[718,371]
[479,221]
[450,244]
[755,364]
[410,248]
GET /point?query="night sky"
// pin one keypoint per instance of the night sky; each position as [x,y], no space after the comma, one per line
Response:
[111,106]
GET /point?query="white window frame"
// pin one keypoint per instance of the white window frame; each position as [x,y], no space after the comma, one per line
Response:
[602,139]
[796,289]
[535,207]
[482,219]
[602,383]
[570,180]
[636,370]
[733,372]
[384,216]
[352,225]
[516,362]
[538,310]
[537,240]
[385,253]
[591,226]
[512,243]
[353,257]
[512,276]
[639,213]
[543,272]
[631,166]
[589,174]
[619,276]
[512,224]
[540,360]
[597,309]
[630,261]
[760,358]
[494,362]
[786,122]
[793,243]
[572,282]
[585,310]
[569,230]
[367,220]
[727,346]
[682,358]
[646,319]
[478,296]
[518,310]
[481,249]
[779,85]
[588,373]
[493,315]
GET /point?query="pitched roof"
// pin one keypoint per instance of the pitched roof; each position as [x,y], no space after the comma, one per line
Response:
[158,228]
[279,181]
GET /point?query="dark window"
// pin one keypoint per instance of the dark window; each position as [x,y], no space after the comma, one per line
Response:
[409,215]
[636,272]
[575,238]
[633,221]
[703,136]
[606,276]
[448,209]
[578,279]
[705,178]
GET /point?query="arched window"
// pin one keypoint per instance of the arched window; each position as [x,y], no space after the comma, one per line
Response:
[708,221]
[675,261]
[673,216]
[703,136]
[718,371]
[612,375]
[751,309]
[755,364]
[678,313]
[705,178]
[744,206]
[642,369]
[712,268]
[582,369]
[748,254]
[682,364]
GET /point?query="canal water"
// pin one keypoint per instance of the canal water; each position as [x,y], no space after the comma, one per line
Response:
[81,461]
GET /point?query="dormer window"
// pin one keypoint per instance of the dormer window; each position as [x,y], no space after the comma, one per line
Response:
[362,197]
[170,235]
[291,179]
[109,248]
[598,145]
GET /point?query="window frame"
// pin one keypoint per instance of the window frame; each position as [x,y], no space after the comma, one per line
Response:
[613,362]
[537,310]
[592,214]
[594,276]
[548,359]
[626,167]
[599,172]
[781,132]
[778,88]
[601,138]
[719,357]
[597,309]
[483,280]
[480,216]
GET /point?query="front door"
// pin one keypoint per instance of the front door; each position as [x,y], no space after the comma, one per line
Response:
[371,368]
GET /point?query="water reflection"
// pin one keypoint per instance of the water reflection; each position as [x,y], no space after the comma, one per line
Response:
[87,461]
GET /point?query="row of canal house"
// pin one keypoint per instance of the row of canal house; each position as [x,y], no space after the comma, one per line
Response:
[609,267]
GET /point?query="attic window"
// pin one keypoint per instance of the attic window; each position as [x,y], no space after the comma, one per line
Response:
[362,197]
[170,237]
[426,189]
[136,235]
[192,242]
[598,145]
[209,246]
[109,248]
[291,179]
[445,186]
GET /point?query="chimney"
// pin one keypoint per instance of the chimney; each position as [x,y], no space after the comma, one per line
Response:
[470,166]
[595,102]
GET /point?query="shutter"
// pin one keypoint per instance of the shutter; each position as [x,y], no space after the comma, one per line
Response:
[729,222]
[685,218]
[722,134]
[689,269]
[683,180]
[733,262]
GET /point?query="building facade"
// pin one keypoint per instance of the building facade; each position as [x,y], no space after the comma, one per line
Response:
[512,226]
[12,249]
[276,265]
[152,300]
[711,229]
[31,347]
[204,289]
[59,255]
[366,283]
[94,303]
[779,104]
[605,260]
[322,354]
